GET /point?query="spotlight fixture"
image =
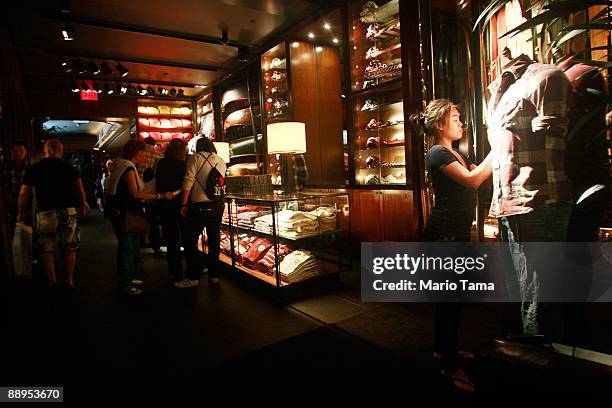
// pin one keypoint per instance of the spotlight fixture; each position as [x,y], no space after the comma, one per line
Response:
[327,26]
[109,89]
[78,67]
[93,68]
[150,90]
[123,71]
[65,65]
[75,87]
[140,90]
[162,91]
[180,93]
[68,32]
[131,90]
[97,88]
[243,54]
[336,41]
[311,35]
[105,69]
[123,89]
[173,92]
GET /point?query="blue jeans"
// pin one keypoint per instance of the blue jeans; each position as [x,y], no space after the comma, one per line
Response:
[526,280]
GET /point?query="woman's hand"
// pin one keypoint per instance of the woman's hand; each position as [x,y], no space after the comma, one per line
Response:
[167,195]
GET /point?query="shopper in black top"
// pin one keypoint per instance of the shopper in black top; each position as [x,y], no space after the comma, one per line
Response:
[454,178]
[59,192]
[169,175]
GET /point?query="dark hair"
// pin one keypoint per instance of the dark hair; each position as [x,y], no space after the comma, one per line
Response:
[19,144]
[132,147]
[205,145]
[149,140]
[435,113]
[175,149]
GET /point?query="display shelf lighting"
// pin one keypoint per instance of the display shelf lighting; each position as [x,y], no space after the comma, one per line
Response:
[123,71]
[327,26]
[68,32]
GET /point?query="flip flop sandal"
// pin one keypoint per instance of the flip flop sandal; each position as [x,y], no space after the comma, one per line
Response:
[459,379]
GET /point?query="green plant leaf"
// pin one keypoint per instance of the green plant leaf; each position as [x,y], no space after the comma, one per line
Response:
[543,18]
[598,64]
[566,37]
[489,12]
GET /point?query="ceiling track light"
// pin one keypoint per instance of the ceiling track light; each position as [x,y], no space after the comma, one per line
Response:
[105,69]
[123,71]
[123,89]
[68,32]
[173,92]
[78,66]
[150,90]
[75,87]
[180,93]
[162,91]
[93,68]
[109,89]
[97,88]
[141,91]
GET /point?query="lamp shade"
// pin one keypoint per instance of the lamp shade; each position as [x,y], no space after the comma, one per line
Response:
[287,137]
[223,150]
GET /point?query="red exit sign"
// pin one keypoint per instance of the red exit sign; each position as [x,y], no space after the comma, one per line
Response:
[89,95]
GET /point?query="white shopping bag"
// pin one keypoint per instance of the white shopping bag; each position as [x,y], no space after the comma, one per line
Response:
[22,250]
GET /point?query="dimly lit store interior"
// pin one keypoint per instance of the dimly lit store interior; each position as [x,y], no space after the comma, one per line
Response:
[310,105]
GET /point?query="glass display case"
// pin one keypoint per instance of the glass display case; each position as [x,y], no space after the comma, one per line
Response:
[380,145]
[285,239]
[205,116]
[165,120]
[275,84]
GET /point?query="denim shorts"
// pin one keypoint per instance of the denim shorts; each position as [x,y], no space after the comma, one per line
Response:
[57,228]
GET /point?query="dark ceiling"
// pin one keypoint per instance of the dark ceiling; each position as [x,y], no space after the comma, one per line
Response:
[173,43]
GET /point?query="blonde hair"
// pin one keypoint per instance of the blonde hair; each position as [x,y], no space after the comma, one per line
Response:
[436,113]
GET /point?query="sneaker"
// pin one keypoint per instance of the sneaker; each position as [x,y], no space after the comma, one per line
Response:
[132,291]
[137,282]
[187,283]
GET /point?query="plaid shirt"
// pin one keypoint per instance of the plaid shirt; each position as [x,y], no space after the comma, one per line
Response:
[300,171]
[151,156]
[14,179]
[527,119]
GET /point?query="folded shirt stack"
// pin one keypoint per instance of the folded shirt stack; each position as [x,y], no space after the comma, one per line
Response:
[263,224]
[267,264]
[297,266]
[326,217]
[256,252]
[297,224]
[242,245]
[246,219]
[225,218]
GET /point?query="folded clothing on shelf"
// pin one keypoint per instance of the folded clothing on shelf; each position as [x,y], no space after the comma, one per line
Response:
[372,142]
[372,162]
[298,265]
[326,216]
[369,105]
[263,224]
[372,179]
[256,252]
[267,264]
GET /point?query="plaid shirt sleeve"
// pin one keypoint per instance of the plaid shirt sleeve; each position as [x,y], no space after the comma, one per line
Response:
[300,171]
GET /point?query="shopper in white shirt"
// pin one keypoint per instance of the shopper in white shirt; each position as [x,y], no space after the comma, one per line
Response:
[202,212]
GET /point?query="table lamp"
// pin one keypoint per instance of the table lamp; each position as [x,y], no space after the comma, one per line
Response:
[286,139]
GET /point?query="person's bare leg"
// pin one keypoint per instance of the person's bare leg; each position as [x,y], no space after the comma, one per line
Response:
[48,261]
[70,258]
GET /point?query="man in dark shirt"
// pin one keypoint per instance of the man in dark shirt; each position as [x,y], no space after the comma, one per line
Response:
[59,191]
[13,177]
